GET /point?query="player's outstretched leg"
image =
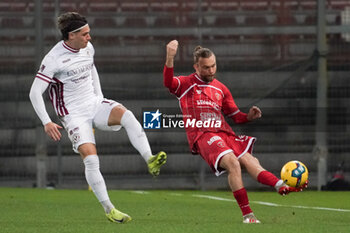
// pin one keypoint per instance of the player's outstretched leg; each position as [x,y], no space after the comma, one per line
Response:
[139,140]
[250,218]
[267,178]
[118,216]
[155,162]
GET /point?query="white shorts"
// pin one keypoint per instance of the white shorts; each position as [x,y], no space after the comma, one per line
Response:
[80,127]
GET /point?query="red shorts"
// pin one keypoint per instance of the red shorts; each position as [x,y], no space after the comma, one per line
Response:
[213,146]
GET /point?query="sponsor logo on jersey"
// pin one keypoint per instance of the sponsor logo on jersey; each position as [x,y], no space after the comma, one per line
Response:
[78,80]
[67,60]
[80,70]
[208,102]
[209,115]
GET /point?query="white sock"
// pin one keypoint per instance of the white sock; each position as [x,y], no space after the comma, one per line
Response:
[279,184]
[97,183]
[136,134]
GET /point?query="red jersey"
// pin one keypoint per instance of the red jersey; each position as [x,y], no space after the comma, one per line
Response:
[204,103]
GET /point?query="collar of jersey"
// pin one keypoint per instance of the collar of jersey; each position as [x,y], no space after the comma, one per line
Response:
[73,50]
[199,79]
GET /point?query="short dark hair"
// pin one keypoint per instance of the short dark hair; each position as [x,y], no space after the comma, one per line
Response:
[199,52]
[70,21]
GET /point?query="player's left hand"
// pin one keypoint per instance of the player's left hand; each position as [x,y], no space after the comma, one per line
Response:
[254,113]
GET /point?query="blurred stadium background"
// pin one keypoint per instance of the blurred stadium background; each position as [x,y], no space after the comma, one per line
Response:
[268,51]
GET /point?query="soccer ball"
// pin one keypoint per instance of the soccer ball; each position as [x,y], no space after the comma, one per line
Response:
[294,173]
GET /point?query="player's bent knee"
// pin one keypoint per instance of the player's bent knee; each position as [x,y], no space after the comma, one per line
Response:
[230,162]
[249,159]
[119,109]
[87,149]
[235,164]
[116,115]
[256,160]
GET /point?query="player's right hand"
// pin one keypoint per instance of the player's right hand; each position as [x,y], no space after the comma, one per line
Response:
[52,130]
[171,48]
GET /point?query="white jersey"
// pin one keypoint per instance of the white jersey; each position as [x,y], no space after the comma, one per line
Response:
[69,74]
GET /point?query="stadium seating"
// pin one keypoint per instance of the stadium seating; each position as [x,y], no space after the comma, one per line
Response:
[169,21]
[224,5]
[253,5]
[12,23]
[225,21]
[102,6]
[137,22]
[149,14]
[104,23]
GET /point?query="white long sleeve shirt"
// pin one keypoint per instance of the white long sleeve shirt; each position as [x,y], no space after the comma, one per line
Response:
[71,79]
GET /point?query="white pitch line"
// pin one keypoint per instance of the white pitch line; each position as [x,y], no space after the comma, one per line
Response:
[273,204]
[213,198]
[266,203]
[256,202]
[176,194]
[140,192]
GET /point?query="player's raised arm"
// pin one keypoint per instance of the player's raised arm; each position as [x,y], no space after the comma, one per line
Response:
[168,73]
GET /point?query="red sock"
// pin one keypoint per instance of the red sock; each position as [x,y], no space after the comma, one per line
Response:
[267,178]
[242,200]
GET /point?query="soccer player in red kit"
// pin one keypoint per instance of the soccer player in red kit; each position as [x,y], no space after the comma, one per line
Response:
[203,99]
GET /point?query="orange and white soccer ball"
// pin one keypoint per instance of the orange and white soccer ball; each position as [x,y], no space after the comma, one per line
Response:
[294,173]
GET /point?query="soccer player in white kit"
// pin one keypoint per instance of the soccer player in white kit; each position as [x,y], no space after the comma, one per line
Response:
[69,74]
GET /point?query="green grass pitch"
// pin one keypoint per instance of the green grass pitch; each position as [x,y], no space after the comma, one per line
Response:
[40,210]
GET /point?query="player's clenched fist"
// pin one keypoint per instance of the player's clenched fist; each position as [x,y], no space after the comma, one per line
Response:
[254,113]
[172,48]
